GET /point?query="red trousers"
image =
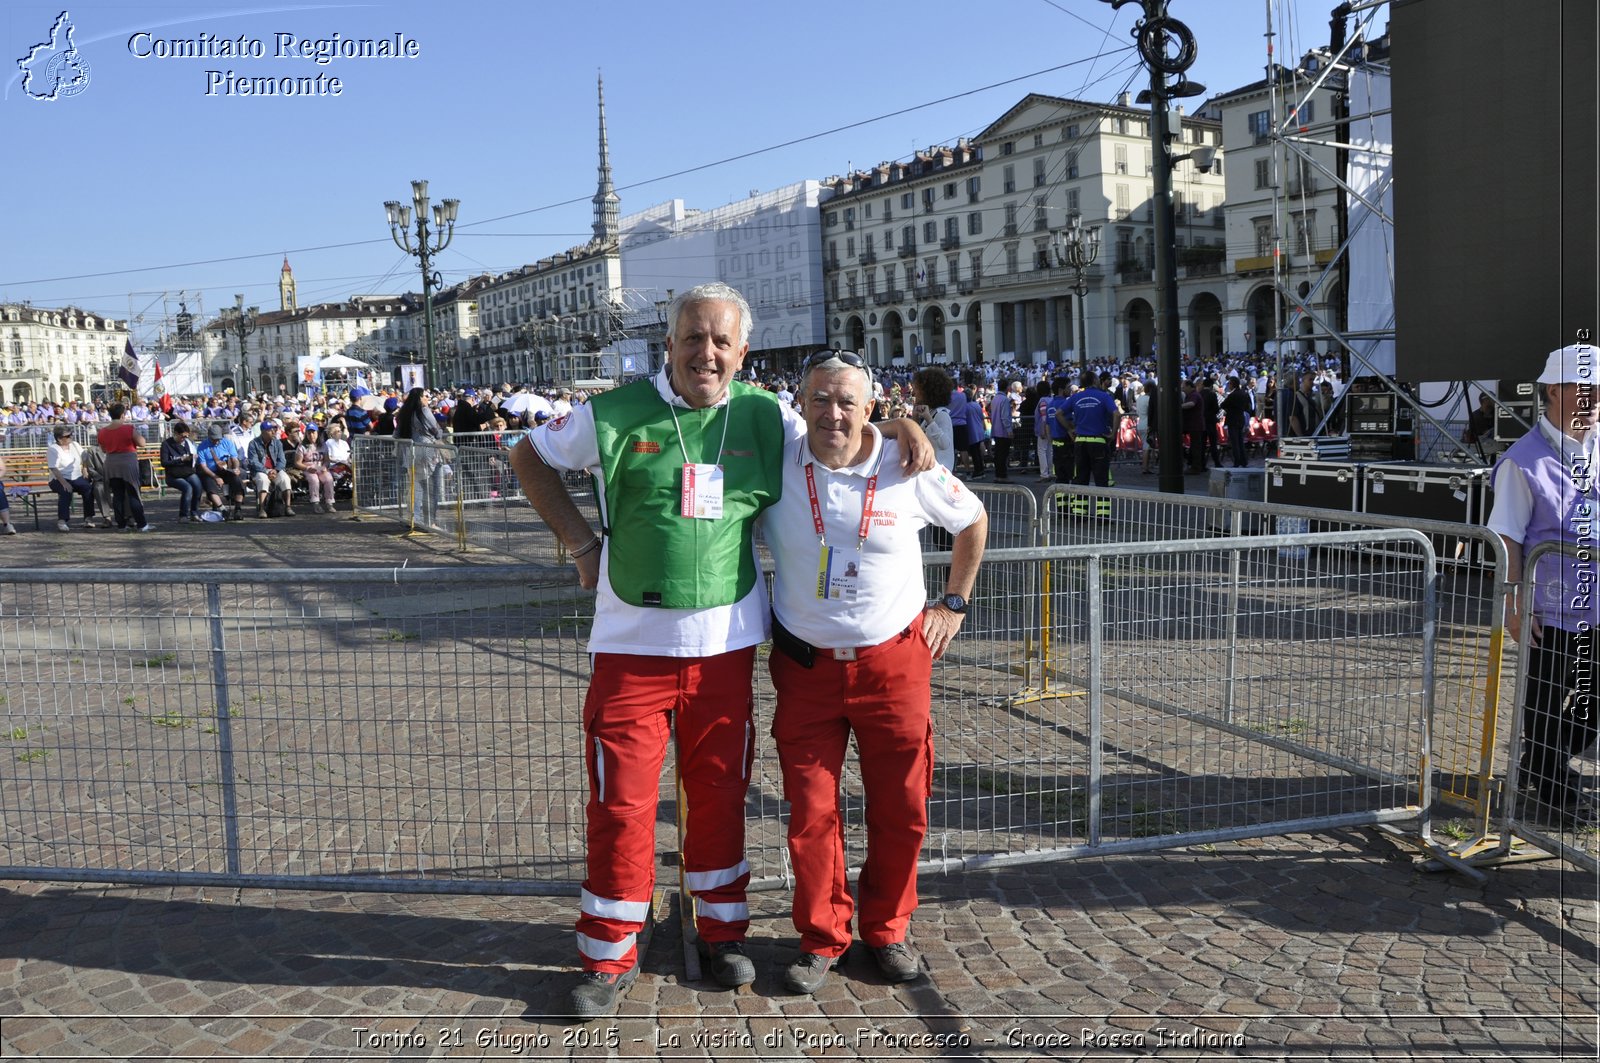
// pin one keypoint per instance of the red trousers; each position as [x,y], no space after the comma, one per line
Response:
[883,696]
[628,715]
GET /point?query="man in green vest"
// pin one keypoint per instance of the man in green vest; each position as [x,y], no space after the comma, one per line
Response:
[683,463]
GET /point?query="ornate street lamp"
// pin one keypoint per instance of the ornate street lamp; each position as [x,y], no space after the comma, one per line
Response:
[1167,47]
[1081,247]
[444,225]
[243,322]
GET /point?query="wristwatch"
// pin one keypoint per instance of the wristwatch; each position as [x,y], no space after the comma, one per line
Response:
[954,602]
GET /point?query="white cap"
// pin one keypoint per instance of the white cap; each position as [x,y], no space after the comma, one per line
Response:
[1576,363]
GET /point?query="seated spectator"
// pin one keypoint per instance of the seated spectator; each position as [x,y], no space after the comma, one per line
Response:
[94,467]
[217,463]
[310,460]
[64,456]
[336,449]
[178,462]
[6,527]
[384,425]
[242,431]
[293,433]
[357,420]
[268,468]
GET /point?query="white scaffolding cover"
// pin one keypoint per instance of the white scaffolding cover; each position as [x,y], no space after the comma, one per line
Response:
[1372,238]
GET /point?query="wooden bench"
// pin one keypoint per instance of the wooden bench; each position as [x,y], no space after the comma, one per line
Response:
[28,476]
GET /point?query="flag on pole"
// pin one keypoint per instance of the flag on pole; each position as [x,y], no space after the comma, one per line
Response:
[129,369]
[163,399]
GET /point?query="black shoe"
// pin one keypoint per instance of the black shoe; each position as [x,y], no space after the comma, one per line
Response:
[596,992]
[897,963]
[807,973]
[728,964]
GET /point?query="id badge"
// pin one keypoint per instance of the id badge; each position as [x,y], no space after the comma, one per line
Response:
[838,574]
[702,491]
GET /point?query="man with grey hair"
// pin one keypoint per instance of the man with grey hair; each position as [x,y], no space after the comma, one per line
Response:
[849,577]
[683,464]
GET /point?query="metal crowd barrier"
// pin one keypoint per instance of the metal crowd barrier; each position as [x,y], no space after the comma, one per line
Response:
[1472,657]
[466,492]
[39,436]
[419,729]
[1468,759]
[343,729]
[1524,815]
[1207,690]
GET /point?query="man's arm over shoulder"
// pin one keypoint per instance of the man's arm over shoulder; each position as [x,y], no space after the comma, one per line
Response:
[916,453]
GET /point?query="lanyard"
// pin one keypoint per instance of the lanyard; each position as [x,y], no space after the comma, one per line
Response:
[727,415]
[866,503]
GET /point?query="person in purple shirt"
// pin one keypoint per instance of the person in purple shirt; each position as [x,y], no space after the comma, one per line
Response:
[1545,490]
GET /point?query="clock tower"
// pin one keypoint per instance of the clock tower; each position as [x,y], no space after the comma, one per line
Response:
[286,298]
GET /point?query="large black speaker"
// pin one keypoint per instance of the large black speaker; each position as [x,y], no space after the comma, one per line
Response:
[1496,156]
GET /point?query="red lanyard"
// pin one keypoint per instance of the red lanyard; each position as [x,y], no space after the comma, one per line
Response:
[816,507]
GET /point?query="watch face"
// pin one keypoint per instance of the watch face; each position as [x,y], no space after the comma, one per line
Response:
[955,603]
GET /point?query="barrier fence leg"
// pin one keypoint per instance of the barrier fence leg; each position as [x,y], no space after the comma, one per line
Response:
[1234,575]
[461,506]
[355,488]
[1096,651]
[411,495]
[1045,614]
[224,716]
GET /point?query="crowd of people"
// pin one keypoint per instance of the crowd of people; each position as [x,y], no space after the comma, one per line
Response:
[223,453]
[359,408]
[983,416]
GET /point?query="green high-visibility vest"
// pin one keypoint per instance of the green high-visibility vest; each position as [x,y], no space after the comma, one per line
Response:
[656,556]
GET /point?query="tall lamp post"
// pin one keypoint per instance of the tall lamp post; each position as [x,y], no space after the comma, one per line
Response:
[1167,47]
[1082,247]
[444,227]
[243,322]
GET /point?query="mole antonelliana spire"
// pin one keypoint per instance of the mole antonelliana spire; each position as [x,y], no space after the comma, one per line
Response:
[605,196]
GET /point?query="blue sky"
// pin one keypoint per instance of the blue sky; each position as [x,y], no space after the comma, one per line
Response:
[142,169]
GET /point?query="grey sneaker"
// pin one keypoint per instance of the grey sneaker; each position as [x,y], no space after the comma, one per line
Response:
[61,525]
[807,973]
[729,966]
[896,962]
[147,527]
[596,992]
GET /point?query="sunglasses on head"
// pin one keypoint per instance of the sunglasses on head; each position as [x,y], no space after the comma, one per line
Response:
[849,358]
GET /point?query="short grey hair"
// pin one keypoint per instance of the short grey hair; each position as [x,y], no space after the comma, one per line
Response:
[836,365]
[714,292]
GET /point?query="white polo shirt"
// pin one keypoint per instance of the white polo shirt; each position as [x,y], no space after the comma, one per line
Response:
[619,627]
[884,591]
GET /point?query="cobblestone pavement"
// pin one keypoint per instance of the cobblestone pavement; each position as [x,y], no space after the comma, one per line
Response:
[1333,945]
[1304,947]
